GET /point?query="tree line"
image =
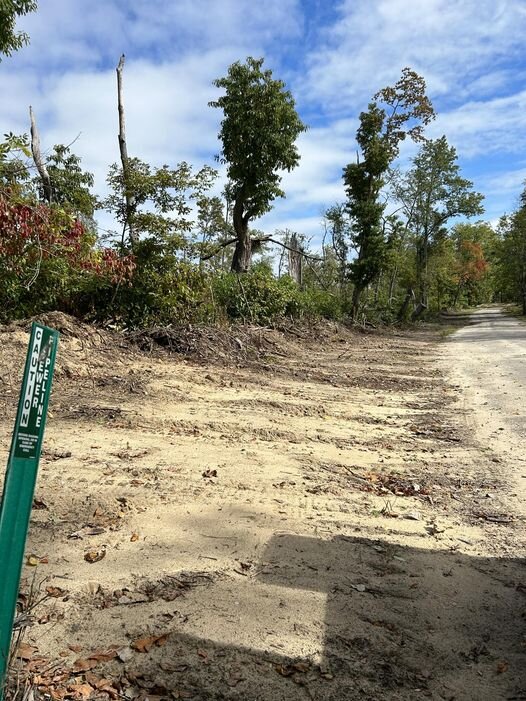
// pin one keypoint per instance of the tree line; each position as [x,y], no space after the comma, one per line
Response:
[399,245]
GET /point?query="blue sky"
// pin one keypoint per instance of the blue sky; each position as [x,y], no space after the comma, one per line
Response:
[333,56]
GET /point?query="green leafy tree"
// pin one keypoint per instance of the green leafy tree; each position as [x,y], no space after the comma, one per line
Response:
[338,230]
[476,246]
[14,169]
[212,228]
[161,202]
[396,255]
[258,131]
[70,185]
[511,255]
[396,113]
[432,193]
[10,10]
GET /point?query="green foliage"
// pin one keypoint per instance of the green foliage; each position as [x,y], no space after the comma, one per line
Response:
[261,298]
[257,296]
[317,303]
[475,266]
[48,258]
[258,132]
[407,110]
[511,257]
[212,230]
[161,199]
[432,193]
[163,290]
[14,152]
[10,10]
[370,263]
[70,184]
[338,229]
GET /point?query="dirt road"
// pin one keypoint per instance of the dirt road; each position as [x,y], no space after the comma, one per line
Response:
[488,359]
[312,518]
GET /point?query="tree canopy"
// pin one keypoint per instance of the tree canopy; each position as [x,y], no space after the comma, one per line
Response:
[259,129]
[397,112]
[10,10]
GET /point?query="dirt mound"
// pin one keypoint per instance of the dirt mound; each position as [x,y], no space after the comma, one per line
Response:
[84,349]
[200,343]
[240,343]
[64,323]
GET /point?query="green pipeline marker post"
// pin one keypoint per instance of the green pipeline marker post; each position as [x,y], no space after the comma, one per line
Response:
[21,477]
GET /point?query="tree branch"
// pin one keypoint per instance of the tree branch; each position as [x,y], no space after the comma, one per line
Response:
[294,250]
[219,249]
[261,239]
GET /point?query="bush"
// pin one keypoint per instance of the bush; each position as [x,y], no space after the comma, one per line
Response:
[315,303]
[261,298]
[48,259]
[256,296]
[163,290]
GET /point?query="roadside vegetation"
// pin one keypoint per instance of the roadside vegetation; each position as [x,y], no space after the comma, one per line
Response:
[405,243]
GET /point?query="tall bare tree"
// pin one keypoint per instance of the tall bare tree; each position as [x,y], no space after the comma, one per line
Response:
[37,157]
[123,148]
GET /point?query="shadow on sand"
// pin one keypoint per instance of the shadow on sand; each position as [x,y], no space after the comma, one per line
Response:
[400,623]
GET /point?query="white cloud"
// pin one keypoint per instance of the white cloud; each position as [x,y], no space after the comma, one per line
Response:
[66,34]
[511,181]
[491,126]
[451,43]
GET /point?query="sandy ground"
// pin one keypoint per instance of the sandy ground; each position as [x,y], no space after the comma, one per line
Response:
[488,359]
[328,520]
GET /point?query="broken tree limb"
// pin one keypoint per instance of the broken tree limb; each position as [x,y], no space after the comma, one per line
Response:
[123,148]
[221,246]
[261,239]
[37,157]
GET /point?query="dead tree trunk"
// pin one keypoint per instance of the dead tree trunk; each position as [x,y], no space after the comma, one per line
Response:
[295,259]
[37,157]
[134,238]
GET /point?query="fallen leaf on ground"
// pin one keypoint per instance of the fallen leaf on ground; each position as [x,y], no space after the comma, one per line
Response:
[34,560]
[94,555]
[81,691]
[55,592]
[146,644]
[84,664]
[25,651]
